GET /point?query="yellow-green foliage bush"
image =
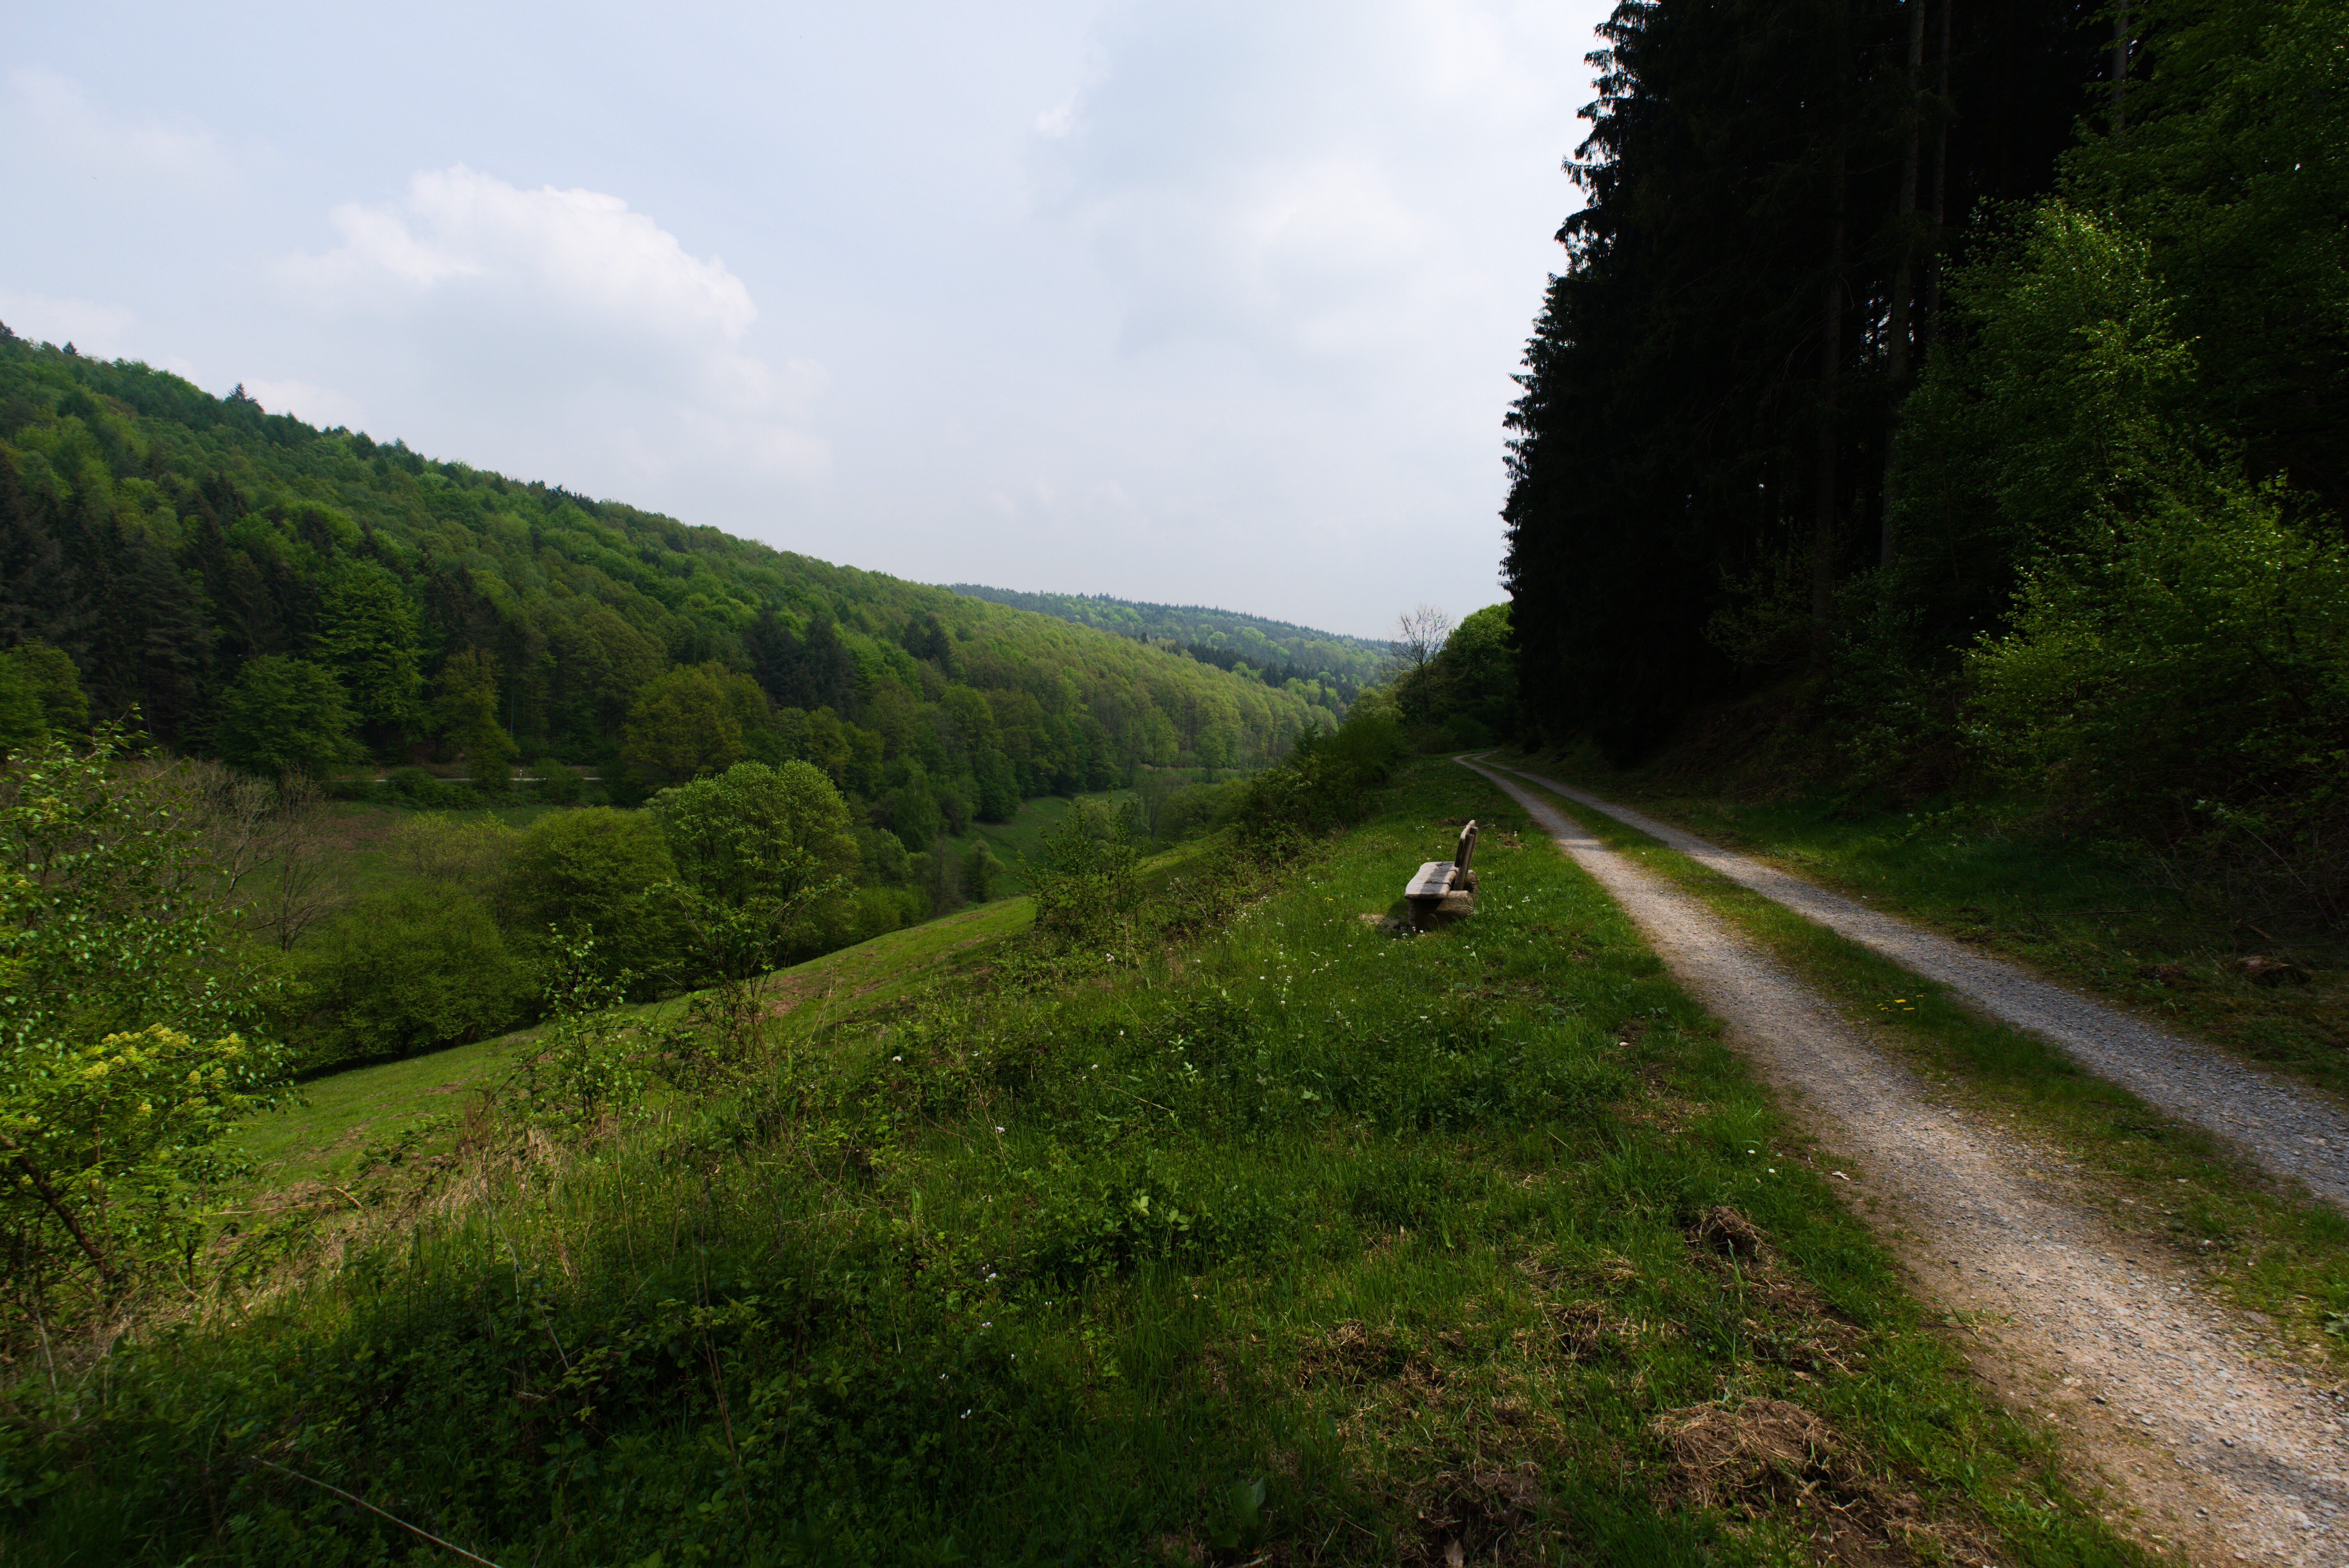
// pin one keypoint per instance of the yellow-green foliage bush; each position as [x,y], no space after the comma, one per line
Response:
[121,1066]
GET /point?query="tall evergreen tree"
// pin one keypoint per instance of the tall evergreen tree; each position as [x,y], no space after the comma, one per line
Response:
[1697,459]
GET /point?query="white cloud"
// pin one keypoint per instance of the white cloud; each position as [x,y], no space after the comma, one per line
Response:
[320,405]
[559,308]
[1333,180]
[48,115]
[579,250]
[1058,119]
[100,330]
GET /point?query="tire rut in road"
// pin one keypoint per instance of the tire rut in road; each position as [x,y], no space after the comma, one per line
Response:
[2291,1129]
[2138,1372]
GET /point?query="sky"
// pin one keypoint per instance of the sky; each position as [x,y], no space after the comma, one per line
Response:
[1199,302]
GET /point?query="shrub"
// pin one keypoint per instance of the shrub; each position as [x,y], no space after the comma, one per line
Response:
[1085,885]
[1326,782]
[422,790]
[466,854]
[593,867]
[405,971]
[558,784]
[123,1066]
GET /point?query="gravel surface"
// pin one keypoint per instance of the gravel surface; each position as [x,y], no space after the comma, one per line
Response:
[2213,1448]
[2291,1129]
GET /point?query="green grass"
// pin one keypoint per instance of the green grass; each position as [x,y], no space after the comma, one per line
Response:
[2263,1242]
[2055,902]
[321,1135]
[1302,1243]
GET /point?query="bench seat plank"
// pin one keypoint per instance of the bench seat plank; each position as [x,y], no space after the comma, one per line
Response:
[1434,881]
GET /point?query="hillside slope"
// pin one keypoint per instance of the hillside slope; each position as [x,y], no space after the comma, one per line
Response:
[1281,653]
[171,543]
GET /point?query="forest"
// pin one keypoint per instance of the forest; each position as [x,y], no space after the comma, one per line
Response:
[293,623]
[279,596]
[1965,385]
[1279,652]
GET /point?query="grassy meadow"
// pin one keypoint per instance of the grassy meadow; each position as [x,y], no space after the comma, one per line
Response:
[1292,1241]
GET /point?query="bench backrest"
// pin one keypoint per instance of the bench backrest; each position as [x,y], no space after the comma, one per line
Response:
[1468,850]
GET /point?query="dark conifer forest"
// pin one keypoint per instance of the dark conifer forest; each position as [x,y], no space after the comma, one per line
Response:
[1973,371]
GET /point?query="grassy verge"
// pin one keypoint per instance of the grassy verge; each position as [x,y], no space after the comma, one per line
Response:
[1299,1242]
[327,1130]
[2272,1248]
[2052,903]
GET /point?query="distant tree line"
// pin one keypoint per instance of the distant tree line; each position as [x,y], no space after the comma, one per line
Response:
[1326,667]
[294,600]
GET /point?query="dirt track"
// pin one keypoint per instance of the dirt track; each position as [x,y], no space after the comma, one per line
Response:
[2157,1389]
[2289,1128]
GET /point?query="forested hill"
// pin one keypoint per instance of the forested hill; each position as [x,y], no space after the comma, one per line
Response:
[290,597]
[1276,650]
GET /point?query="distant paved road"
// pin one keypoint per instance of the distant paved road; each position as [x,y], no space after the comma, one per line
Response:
[2290,1128]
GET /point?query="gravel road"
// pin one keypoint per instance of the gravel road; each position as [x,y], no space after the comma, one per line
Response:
[2172,1399]
[2290,1128]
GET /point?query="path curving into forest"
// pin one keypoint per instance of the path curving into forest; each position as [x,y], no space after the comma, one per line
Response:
[2290,1129]
[2155,1384]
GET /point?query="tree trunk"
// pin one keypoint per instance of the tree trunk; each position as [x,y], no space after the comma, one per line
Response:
[1903,282]
[1940,178]
[2120,66]
[1823,534]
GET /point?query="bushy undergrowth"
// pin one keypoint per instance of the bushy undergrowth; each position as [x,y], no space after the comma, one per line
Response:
[1294,1239]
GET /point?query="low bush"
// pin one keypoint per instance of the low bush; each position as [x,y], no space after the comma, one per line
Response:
[558,785]
[1084,880]
[593,868]
[417,788]
[409,969]
[1328,781]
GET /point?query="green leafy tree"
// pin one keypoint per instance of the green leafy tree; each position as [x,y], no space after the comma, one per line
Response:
[122,1060]
[467,713]
[40,694]
[1465,693]
[692,721]
[980,872]
[595,867]
[405,971]
[284,716]
[370,641]
[755,848]
[2176,661]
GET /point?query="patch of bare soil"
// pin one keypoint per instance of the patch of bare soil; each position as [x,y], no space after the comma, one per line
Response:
[1471,1484]
[2163,1397]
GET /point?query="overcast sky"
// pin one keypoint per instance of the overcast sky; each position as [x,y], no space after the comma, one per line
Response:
[1193,302]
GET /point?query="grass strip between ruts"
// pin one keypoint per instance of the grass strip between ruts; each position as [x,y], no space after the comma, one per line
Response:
[2264,1243]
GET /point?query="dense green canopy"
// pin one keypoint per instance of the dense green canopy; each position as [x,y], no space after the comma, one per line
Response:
[171,543]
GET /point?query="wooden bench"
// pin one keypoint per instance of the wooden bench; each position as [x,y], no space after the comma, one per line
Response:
[1439,880]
